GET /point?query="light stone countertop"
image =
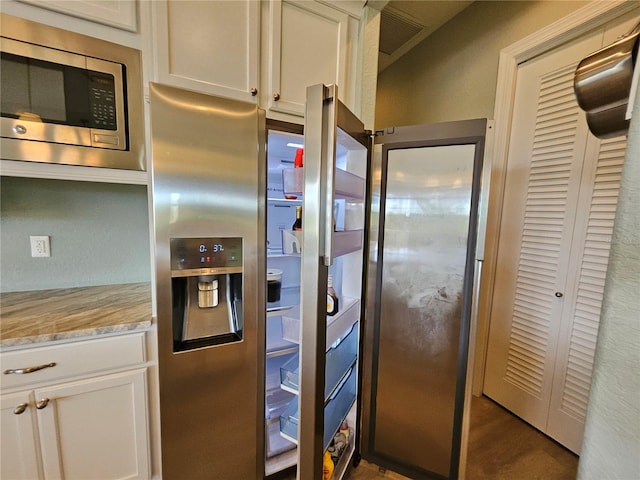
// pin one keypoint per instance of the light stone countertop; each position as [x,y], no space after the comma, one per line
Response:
[48,315]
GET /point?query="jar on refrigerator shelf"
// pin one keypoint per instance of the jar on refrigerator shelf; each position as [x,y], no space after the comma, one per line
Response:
[332,298]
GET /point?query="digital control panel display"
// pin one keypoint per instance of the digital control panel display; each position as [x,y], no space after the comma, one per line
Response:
[102,100]
[215,254]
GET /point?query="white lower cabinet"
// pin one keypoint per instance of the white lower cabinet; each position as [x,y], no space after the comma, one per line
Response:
[19,446]
[84,428]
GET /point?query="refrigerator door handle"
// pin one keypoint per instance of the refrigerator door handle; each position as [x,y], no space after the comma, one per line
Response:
[329,169]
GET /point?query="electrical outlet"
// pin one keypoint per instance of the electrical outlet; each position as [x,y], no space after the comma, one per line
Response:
[40,246]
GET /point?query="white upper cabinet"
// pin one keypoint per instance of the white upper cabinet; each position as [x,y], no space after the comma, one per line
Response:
[307,45]
[212,47]
[259,52]
[116,13]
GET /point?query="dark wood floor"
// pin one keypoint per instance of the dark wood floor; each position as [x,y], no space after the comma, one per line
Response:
[501,447]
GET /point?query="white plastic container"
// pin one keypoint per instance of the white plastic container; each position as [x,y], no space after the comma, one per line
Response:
[292,242]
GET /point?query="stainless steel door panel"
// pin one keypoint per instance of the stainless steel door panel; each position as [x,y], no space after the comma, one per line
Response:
[427,207]
[209,181]
[425,191]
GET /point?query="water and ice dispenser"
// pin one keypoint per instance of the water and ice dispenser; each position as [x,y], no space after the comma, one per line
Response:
[206,283]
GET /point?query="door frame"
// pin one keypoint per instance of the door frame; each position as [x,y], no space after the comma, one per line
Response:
[564,30]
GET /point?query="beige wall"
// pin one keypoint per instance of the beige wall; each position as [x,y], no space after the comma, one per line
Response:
[452,74]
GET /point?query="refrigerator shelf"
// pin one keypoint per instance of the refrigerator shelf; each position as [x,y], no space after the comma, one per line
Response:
[277,253]
[272,374]
[281,461]
[344,242]
[289,298]
[339,360]
[347,241]
[278,311]
[276,344]
[347,185]
[292,201]
[275,443]
[284,348]
[337,326]
[335,412]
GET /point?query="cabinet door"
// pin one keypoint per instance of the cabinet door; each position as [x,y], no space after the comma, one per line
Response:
[212,46]
[557,222]
[546,160]
[118,13]
[307,45]
[95,428]
[18,438]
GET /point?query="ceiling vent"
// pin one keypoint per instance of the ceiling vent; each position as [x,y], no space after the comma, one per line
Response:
[395,31]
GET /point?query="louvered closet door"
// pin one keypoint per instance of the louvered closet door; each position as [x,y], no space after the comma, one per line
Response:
[553,249]
[583,301]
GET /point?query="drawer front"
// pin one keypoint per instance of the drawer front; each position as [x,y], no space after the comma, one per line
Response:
[71,359]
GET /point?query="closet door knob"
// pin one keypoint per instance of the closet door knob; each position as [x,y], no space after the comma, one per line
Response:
[276,96]
[20,408]
[559,294]
[254,91]
[42,403]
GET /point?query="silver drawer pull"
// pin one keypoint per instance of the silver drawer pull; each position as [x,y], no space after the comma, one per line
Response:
[42,403]
[20,408]
[22,371]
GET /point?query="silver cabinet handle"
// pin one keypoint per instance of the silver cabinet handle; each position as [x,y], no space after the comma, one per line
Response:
[20,408]
[254,91]
[22,371]
[42,403]
[276,96]
[559,294]
[20,129]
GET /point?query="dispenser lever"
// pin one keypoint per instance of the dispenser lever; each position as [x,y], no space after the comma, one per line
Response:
[207,291]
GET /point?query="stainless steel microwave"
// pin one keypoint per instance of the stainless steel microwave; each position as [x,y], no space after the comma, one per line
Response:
[67,98]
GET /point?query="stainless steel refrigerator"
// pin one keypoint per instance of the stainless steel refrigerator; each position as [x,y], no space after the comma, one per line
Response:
[255,377]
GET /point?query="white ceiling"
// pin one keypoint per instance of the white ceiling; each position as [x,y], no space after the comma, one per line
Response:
[405,23]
